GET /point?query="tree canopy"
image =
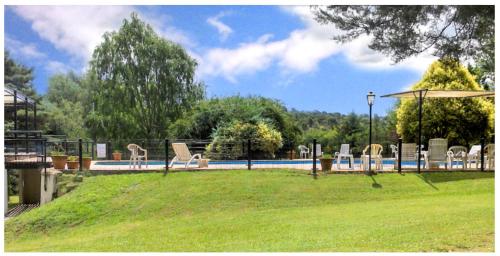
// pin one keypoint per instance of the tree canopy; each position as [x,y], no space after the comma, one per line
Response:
[462,121]
[19,77]
[62,110]
[203,120]
[463,31]
[142,83]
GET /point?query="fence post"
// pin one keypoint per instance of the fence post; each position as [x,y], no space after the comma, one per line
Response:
[45,164]
[66,146]
[80,155]
[400,147]
[314,157]
[109,151]
[249,155]
[87,146]
[92,149]
[166,157]
[482,154]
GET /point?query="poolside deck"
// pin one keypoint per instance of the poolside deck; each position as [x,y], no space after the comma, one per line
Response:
[123,167]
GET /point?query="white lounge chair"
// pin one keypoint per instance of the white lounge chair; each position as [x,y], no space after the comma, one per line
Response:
[182,154]
[136,157]
[304,151]
[437,153]
[457,153]
[318,150]
[408,153]
[474,155]
[489,151]
[376,154]
[345,152]
[489,156]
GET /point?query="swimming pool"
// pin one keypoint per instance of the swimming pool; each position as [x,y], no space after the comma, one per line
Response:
[255,162]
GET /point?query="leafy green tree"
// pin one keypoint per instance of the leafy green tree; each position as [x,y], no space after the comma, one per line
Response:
[315,119]
[18,76]
[229,138]
[143,82]
[328,138]
[462,121]
[463,31]
[62,108]
[483,77]
[208,115]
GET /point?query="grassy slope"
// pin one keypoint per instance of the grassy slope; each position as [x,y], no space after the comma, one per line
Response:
[264,211]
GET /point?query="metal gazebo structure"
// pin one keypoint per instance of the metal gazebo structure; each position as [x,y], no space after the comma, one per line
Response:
[421,94]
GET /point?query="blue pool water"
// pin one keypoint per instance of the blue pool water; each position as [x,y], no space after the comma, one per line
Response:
[257,162]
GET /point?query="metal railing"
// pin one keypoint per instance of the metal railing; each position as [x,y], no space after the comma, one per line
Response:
[23,150]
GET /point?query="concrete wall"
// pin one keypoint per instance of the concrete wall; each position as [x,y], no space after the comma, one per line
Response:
[51,179]
[29,186]
[32,186]
[6,190]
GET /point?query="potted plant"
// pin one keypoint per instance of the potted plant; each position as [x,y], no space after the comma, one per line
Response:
[117,155]
[86,160]
[73,163]
[59,159]
[326,162]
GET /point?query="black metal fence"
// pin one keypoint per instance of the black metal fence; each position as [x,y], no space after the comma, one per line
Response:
[227,154]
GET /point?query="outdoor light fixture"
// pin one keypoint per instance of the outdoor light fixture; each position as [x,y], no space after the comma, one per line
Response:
[371,99]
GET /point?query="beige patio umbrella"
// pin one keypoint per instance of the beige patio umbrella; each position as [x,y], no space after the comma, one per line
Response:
[423,93]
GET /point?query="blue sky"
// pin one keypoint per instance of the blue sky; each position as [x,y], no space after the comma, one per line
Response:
[274,51]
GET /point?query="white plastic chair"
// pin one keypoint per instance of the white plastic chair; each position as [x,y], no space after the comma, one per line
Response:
[376,154]
[394,150]
[345,152]
[408,153]
[489,156]
[438,152]
[182,154]
[304,151]
[474,155]
[457,154]
[136,157]
[489,151]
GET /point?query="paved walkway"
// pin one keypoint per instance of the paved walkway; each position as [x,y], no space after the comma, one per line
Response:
[295,164]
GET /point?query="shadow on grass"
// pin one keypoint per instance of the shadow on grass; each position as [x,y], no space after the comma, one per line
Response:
[426,180]
[455,176]
[375,184]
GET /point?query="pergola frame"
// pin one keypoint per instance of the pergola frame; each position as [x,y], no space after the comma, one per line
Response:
[14,99]
[422,93]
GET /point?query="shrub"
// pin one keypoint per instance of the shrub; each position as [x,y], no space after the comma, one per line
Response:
[57,153]
[326,156]
[461,121]
[228,141]
[72,158]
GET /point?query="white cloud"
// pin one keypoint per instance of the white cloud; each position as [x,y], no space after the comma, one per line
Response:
[223,29]
[300,52]
[77,30]
[55,67]
[27,50]
[160,22]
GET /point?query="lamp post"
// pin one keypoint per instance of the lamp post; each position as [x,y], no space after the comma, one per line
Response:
[371,99]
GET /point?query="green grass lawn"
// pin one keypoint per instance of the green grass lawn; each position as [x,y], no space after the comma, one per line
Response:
[264,211]
[13,201]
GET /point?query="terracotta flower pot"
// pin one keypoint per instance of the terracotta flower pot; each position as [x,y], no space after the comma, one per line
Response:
[117,156]
[86,162]
[73,165]
[326,164]
[59,161]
